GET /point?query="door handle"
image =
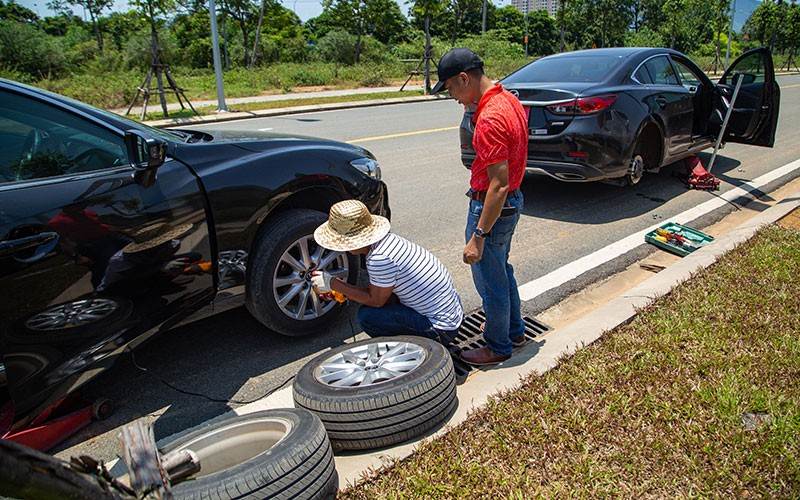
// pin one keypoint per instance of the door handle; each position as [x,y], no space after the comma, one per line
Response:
[10,247]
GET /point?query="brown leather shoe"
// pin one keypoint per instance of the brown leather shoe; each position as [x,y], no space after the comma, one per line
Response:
[483,356]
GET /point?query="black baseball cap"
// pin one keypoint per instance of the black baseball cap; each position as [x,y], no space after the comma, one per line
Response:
[454,62]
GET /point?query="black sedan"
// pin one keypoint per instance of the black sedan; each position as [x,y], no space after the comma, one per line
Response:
[112,231]
[613,114]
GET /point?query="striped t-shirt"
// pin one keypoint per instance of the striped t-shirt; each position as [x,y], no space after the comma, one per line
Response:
[420,281]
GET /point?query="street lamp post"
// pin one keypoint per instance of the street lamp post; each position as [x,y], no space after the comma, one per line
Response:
[212,11]
[527,7]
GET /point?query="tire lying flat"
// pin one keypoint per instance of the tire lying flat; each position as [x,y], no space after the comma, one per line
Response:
[280,454]
[387,409]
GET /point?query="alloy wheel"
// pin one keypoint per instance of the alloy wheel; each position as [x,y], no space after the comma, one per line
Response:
[370,364]
[291,282]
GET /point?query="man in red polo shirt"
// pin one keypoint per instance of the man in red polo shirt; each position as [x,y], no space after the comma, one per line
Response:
[501,148]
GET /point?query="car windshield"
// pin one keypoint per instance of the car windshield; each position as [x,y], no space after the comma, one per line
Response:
[588,68]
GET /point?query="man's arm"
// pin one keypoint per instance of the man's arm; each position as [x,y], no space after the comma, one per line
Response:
[495,195]
[373,296]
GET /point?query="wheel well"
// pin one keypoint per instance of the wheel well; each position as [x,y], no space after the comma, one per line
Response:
[651,145]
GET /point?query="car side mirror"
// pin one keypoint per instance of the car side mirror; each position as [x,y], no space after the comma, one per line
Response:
[144,152]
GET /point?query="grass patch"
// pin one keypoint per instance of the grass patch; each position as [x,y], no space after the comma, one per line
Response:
[284,103]
[653,409]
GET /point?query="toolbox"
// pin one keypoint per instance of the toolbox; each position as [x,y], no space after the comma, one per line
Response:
[694,239]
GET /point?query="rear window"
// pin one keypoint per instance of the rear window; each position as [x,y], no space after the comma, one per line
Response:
[566,69]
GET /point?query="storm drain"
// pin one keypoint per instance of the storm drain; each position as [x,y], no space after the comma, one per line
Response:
[470,337]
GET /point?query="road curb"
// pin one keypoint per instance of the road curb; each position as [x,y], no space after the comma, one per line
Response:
[542,355]
[292,110]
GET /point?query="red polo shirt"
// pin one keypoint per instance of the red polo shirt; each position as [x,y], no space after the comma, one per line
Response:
[501,134]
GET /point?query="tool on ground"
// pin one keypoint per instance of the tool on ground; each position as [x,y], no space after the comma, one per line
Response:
[678,239]
[700,177]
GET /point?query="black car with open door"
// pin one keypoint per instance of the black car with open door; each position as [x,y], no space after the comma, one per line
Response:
[112,231]
[614,114]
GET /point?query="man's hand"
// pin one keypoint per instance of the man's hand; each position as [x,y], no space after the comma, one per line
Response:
[474,250]
[321,281]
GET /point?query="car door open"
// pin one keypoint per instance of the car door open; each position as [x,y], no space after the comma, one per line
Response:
[755,113]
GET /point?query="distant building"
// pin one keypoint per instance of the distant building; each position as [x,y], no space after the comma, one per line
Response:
[551,6]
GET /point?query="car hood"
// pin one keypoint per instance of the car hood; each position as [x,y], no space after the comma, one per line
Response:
[546,92]
[257,141]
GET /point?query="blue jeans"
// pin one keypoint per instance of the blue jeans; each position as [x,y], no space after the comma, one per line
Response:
[397,319]
[494,277]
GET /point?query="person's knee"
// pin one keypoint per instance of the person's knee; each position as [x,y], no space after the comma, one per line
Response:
[366,315]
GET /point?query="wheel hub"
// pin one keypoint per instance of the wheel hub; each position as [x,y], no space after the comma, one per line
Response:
[370,364]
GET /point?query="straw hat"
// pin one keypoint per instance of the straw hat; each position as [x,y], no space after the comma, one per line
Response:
[350,226]
[155,235]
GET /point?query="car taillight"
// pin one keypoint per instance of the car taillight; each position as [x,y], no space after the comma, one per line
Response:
[582,105]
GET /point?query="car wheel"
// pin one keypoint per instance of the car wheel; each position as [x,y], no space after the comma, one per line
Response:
[279,292]
[77,319]
[635,169]
[267,454]
[378,392]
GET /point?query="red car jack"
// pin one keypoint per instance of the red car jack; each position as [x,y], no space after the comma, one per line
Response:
[699,177]
[55,424]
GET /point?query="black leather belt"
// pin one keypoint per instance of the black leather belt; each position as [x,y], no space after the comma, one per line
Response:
[481,195]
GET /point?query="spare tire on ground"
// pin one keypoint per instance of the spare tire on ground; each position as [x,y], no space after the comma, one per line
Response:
[277,454]
[378,392]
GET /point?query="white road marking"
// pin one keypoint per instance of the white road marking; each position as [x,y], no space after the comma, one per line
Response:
[265,129]
[563,274]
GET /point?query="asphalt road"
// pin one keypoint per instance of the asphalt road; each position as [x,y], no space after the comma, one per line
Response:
[231,356]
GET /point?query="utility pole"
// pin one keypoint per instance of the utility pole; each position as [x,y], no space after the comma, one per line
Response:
[483,25]
[730,28]
[212,11]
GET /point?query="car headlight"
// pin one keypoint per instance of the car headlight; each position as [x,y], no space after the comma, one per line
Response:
[368,167]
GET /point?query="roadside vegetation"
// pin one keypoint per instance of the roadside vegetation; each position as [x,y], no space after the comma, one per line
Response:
[102,57]
[699,396]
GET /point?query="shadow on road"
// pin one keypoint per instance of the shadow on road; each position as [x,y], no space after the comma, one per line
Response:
[598,203]
[218,357]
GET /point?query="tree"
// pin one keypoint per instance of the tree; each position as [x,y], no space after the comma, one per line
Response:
[95,9]
[763,23]
[791,33]
[722,18]
[244,13]
[381,19]
[542,33]
[12,11]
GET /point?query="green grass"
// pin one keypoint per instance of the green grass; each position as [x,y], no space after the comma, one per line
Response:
[283,103]
[653,409]
[116,89]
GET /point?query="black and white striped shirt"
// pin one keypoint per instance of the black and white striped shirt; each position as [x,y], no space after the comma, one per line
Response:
[420,281]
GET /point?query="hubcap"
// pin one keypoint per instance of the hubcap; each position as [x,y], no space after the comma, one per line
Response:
[72,314]
[291,282]
[370,364]
[636,170]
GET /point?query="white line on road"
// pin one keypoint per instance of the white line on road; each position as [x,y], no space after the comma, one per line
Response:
[265,129]
[563,274]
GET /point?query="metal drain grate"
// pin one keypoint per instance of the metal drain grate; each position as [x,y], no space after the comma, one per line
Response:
[470,337]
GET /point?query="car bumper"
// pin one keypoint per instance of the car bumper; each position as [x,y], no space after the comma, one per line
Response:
[377,200]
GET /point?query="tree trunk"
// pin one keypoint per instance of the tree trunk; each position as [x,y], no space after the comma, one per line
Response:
[28,473]
[96,29]
[254,56]
[226,60]
[245,38]
[427,54]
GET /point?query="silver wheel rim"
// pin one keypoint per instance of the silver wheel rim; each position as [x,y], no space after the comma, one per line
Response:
[636,170]
[72,314]
[291,282]
[370,364]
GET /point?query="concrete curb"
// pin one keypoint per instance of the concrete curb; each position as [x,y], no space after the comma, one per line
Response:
[537,357]
[242,115]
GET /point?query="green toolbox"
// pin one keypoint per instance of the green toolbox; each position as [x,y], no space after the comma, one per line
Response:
[678,239]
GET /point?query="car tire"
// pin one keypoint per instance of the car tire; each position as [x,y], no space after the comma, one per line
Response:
[636,168]
[78,319]
[386,412]
[278,454]
[274,239]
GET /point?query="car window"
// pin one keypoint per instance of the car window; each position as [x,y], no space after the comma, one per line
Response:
[587,68]
[38,140]
[661,71]
[642,76]
[688,77]
[750,65]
